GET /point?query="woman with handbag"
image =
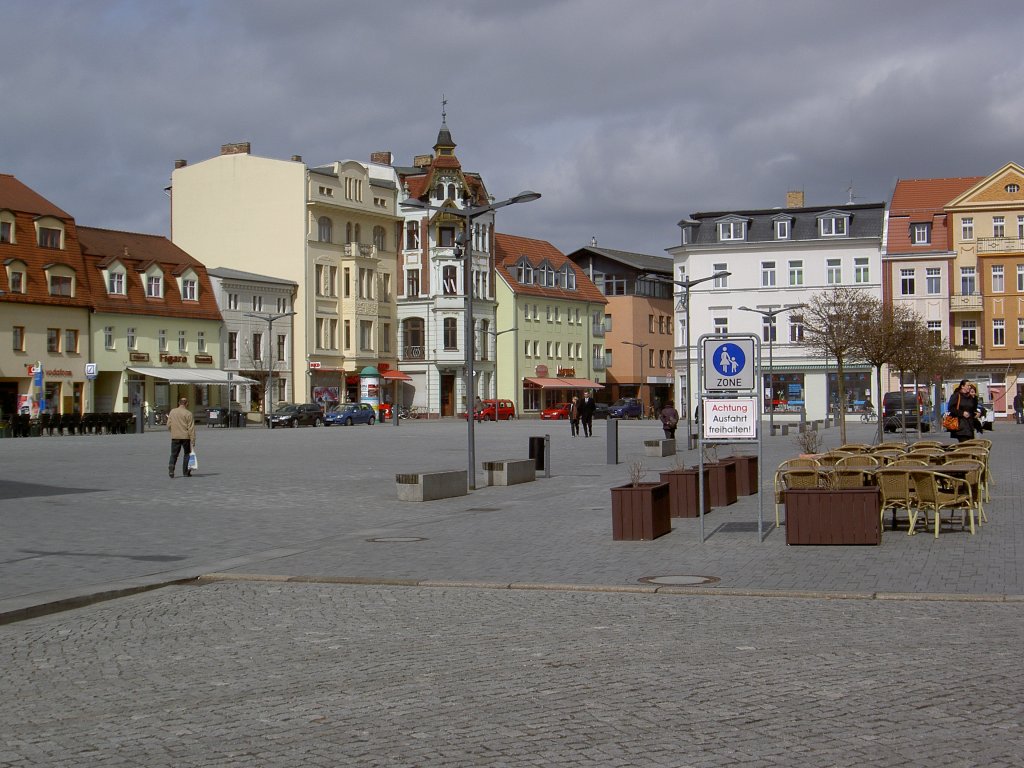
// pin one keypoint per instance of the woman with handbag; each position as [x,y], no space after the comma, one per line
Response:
[963,407]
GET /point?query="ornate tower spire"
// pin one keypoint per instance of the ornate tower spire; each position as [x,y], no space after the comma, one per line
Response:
[444,144]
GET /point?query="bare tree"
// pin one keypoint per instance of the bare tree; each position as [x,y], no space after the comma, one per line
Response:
[884,330]
[831,326]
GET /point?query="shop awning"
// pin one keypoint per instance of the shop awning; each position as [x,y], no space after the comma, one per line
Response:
[563,383]
[192,375]
[396,376]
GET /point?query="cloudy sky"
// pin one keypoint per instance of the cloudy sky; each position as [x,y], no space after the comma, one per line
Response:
[626,116]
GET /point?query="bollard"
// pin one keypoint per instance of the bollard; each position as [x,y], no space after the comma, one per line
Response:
[547,455]
[612,445]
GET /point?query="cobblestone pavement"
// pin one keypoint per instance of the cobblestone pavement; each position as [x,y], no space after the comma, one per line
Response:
[903,654]
[276,674]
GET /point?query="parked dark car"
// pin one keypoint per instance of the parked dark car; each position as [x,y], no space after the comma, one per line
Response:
[901,409]
[601,410]
[295,415]
[349,414]
[626,408]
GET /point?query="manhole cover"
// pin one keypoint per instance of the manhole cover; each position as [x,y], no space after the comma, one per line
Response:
[395,539]
[681,580]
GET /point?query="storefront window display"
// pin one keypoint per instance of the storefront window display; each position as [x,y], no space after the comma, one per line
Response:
[788,394]
[858,391]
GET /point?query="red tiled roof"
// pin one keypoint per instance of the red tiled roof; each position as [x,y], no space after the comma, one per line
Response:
[508,249]
[928,194]
[16,197]
[100,247]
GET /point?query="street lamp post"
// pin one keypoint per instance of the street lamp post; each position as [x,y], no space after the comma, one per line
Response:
[496,334]
[770,315]
[686,284]
[639,387]
[270,318]
[468,214]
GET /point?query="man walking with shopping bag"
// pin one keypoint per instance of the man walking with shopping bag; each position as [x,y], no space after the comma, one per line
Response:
[182,427]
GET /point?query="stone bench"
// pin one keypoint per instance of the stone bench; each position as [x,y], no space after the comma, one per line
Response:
[428,486]
[662,447]
[510,471]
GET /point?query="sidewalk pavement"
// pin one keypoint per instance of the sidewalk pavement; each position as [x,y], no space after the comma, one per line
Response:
[502,628]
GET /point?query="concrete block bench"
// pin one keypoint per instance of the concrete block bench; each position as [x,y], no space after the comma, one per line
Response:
[510,471]
[662,447]
[428,486]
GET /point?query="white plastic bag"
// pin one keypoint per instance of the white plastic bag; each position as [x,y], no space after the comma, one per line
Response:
[193,462]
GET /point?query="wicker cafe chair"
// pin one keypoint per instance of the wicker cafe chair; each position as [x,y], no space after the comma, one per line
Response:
[847,477]
[931,496]
[926,444]
[780,488]
[907,461]
[859,460]
[982,441]
[888,455]
[981,484]
[793,479]
[897,487]
[975,478]
[964,450]
[831,458]
[892,445]
[855,447]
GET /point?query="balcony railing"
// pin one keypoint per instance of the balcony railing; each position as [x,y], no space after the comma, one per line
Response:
[412,352]
[598,329]
[968,354]
[1000,245]
[965,302]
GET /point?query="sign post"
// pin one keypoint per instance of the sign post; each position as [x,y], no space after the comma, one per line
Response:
[729,403]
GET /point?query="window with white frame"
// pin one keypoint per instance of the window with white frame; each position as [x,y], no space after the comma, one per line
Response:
[61,285]
[968,281]
[189,289]
[282,305]
[115,282]
[18,338]
[768,328]
[108,337]
[998,226]
[257,303]
[967,228]
[545,275]
[833,271]
[832,226]
[861,270]
[53,340]
[969,333]
[907,282]
[782,229]
[796,272]
[182,341]
[998,332]
[7,230]
[200,341]
[1020,331]
[1020,227]
[721,325]
[365,335]
[767,274]
[412,235]
[131,339]
[379,238]
[451,333]
[161,340]
[232,345]
[935,332]
[71,341]
[547,349]
[732,230]
[796,328]
[450,280]
[50,237]
[155,285]
[920,234]
[256,345]
[324,229]
[998,283]
[524,271]
[932,281]
[526,348]
[723,281]
[232,301]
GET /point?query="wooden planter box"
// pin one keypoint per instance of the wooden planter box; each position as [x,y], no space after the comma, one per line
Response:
[747,480]
[825,516]
[684,491]
[641,512]
[722,483]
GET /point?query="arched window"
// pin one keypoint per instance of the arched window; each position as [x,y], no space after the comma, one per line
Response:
[412,343]
[348,232]
[412,235]
[358,235]
[451,191]
[524,271]
[439,192]
[324,229]
[378,238]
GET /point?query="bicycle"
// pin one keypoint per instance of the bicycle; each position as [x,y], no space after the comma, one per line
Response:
[869,416]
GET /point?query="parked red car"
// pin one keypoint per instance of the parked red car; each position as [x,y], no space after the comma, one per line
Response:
[557,411]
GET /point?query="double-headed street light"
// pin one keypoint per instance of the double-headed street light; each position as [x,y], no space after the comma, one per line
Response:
[639,387]
[770,315]
[468,214]
[270,318]
[686,284]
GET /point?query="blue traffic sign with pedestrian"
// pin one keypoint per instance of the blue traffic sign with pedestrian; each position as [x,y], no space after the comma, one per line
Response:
[729,360]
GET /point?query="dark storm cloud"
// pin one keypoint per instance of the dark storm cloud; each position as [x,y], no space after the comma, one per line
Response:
[626,116]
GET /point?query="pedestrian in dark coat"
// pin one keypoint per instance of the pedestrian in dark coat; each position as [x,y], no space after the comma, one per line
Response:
[587,408]
[1018,408]
[669,419]
[963,404]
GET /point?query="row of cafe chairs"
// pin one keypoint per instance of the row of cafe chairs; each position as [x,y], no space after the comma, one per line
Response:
[73,424]
[892,467]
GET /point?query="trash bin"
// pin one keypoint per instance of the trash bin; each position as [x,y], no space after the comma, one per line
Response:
[537,451]
[5,429]
[241,418]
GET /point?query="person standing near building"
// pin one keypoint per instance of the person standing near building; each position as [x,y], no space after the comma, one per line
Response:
[182,426]
[574,416]
[1018,408]
[669,419]
[963,404]
[587,408]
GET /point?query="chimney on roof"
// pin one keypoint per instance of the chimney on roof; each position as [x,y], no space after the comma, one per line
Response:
[180,163]
[383,157]
[593,242]
[296,158]
[795,199]
[238,148]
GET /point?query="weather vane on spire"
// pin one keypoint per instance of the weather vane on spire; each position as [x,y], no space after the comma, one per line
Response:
[444,112]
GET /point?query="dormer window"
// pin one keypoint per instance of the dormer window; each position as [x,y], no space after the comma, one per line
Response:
[783,228]
[16,281]
[50,232]
[115,283]
[732,230]
[567,278]
[6,227]
[833,224]
[60,280]
[188,284]
[154,284]
[524,271]
[920,234]
[546,275]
